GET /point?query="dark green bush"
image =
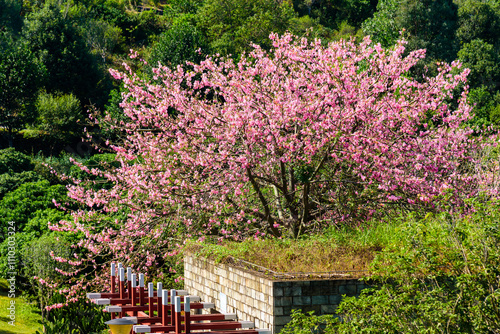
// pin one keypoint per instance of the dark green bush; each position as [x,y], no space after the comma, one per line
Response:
[12,161]
[10,182]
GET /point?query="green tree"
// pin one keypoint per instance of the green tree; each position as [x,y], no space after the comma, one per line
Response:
[57,122]
[484,63]
[382,27]
[484,104]
[12,161]
[232,25]
[430,24]
[10,16]
[21,75]
[56,38]
[177,7]
[183,42]
[102,37]
[332,13]
[478,20]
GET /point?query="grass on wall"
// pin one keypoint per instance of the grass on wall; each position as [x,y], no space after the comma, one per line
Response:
[337,249]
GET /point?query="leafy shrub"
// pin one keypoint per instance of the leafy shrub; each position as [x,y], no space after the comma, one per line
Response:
[178,45]
[310,324]
[76,318]
[12,161]
[58,117]
[442,277]
[21,204]
[10,182]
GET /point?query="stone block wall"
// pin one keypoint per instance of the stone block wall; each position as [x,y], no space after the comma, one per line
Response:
[266,302]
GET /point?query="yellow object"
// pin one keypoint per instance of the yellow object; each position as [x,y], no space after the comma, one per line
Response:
[120,326]
[120,329]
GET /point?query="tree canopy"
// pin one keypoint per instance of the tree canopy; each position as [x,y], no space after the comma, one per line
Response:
[281,143]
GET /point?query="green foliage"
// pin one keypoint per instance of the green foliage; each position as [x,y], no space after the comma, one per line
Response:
[307,26]
[382,27]
[441,277]
[12,161]
[56,37]
[175,7]
[10,15]
[52,168]
[484,62]
[478,20]
[79,317]
[485,105]
[99,162]
[102,37]
[38,262]
[58,118]
[310,324]
[232,25]
[182,42]
[20,77]
[495,111]
[10,182]
[22,204]
[429,24]
[331,13]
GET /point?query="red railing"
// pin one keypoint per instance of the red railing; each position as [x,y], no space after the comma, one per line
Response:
[164,311]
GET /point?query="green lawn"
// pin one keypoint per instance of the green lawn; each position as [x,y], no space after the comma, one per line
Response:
[27,318]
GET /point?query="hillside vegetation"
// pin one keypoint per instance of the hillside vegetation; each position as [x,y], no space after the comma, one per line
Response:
[349,135]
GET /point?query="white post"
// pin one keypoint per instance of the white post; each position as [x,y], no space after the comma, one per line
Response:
[113,271]
[159,288]
[172,295]
[134,280]
[177,304]
[129,274]
[164,301]
[122,274]
[119,266]
[187,306]
[150,290]
[141,280]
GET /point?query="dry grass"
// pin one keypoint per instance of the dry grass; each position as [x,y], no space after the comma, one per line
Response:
[335,250]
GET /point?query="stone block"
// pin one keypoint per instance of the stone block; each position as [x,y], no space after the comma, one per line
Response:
[282,320]
[319,300]
[349,289]
[283,301]
[293,291]
[302,283]
[301,300]
[334,299]
[314,308]
[328,309]
[278,292]
[277,328]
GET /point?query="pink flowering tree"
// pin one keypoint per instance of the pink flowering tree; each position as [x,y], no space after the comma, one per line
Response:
[281,142]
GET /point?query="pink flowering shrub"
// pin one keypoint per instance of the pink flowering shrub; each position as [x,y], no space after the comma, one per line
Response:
[278,143]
